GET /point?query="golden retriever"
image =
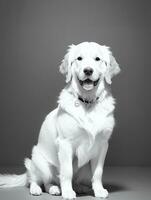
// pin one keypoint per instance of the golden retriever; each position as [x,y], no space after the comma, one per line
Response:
[73,139]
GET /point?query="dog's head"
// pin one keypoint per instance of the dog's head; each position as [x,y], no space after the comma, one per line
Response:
[89,63]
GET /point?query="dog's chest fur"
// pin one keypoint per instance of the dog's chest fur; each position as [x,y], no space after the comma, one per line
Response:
[84,127]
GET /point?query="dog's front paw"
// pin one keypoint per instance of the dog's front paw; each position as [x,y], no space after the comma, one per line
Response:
[101,193]
[68,194]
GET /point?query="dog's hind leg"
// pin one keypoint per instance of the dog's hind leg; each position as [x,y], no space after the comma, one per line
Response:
[53,187]
[38,171]
[33,178]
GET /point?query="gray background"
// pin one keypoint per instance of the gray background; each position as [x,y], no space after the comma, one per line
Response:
[34,36]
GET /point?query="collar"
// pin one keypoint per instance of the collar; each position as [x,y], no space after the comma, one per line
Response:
[86,101]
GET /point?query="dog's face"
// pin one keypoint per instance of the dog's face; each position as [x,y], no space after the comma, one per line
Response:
[89,63]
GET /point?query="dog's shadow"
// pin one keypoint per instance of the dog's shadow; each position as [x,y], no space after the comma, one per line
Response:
[111,187]
[115,187]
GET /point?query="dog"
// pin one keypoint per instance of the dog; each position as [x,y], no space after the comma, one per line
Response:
[73,139]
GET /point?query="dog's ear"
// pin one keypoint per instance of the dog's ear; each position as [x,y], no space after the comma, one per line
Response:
[65,67]
[112,69]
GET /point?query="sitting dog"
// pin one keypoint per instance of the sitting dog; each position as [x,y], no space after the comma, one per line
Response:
[73,139]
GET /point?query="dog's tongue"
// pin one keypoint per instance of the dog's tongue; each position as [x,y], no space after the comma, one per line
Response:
[88,85]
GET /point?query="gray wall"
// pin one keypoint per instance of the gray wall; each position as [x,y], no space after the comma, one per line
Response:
[34,36]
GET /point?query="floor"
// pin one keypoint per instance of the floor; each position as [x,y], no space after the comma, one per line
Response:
[123,183]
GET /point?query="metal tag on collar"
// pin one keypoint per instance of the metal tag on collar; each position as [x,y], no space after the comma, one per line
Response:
[77,103]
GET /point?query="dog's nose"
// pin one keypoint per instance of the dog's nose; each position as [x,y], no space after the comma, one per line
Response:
[88,71]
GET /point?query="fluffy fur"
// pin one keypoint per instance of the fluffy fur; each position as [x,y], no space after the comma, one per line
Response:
[73,139]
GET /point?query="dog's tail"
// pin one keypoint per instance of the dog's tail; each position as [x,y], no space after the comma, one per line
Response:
[13,180]
[7,181]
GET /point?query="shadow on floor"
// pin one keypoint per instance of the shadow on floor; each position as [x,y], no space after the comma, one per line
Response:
[111,187]
[115,187]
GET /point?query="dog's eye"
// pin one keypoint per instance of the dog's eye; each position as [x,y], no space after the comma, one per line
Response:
[97,59]
[79,58]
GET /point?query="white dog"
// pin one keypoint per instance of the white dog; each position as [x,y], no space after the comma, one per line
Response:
[73,139]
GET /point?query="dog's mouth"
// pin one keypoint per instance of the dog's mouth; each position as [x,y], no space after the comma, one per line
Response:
[88,84]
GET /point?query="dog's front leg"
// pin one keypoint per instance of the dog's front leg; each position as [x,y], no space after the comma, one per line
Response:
[66,170]
[97,170]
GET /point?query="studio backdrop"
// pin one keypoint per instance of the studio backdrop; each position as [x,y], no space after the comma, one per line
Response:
[34,36]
